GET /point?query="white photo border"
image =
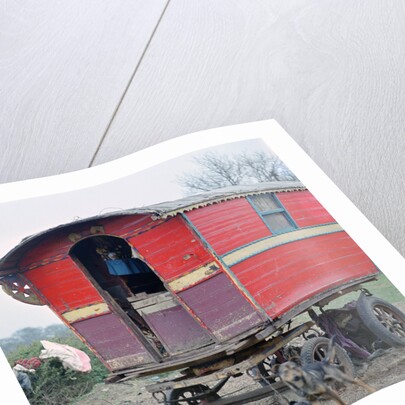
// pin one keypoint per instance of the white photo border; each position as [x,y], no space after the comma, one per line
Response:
[374,244]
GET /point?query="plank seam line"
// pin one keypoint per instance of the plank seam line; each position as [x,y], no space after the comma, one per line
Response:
[128,85]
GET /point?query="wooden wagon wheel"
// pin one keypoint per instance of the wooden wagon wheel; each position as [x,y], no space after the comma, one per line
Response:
[20,290]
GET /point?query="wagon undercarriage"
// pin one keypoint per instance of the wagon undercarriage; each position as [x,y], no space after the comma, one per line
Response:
[221,354]
[202,383]
[245,362]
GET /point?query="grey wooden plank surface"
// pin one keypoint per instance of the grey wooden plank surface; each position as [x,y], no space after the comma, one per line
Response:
[63,68]
[330,72]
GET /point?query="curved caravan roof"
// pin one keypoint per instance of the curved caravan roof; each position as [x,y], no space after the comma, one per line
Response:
[158,211]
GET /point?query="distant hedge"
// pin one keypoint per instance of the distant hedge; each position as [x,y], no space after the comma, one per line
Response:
[28,335]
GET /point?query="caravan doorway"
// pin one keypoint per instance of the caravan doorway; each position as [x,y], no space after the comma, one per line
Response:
[126,280]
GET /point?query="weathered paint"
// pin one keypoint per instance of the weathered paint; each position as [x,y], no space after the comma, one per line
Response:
[64,285]
[175,328]
[278,271]
[18,287]
[225,268]
[86,312]
[57,247]
[129,225]
[194,277]
[73,297]
[245,252]
[304,208]
[171,249]
[160,306]
[228,225]
[178,255]
[284,276]
[53,250]
[221,307]
[112,340]
[125,362]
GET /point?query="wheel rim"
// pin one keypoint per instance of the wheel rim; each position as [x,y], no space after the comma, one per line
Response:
[390,320]
[319,352]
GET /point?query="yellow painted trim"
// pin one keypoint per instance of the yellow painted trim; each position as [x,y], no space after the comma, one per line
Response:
[262,245]
[86,312]
[194,277]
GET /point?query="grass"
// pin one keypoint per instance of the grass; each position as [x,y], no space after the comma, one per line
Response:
[382,288]
[52,384]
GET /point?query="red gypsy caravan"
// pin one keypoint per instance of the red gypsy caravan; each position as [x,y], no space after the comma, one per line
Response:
[209,284]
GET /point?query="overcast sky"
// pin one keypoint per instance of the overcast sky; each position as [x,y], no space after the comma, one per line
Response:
[26,217]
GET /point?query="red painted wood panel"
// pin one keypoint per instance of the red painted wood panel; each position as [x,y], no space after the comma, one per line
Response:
[282,277]
[304,208]
[64,285]
[111,338]
[131,224]
[229,224]
[58,243]
[52,247]
[221,307]
[171,248]
[177,329]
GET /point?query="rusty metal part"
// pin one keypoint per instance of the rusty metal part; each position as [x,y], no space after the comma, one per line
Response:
[217,365]
[255,356]
[340,293]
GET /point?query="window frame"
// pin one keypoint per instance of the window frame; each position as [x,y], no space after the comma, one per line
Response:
[266,213]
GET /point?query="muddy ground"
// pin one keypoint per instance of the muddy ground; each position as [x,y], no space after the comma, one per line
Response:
[380,372]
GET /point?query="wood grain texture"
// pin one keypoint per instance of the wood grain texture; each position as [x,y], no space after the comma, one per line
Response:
[305,209]
[288,275]
[228,225]
[63,69]
[330,72]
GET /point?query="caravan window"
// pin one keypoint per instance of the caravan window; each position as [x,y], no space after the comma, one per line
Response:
[273,213]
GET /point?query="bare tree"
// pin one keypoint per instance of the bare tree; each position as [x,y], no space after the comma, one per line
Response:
[216,171]
[263,167]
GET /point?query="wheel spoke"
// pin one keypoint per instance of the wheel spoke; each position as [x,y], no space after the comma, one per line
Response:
[390,320]
[316,349]
[319,353]
[399,330]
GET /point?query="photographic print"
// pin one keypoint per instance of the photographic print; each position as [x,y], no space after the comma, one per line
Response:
[214,277]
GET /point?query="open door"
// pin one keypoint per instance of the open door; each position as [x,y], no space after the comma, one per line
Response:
[131,286]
